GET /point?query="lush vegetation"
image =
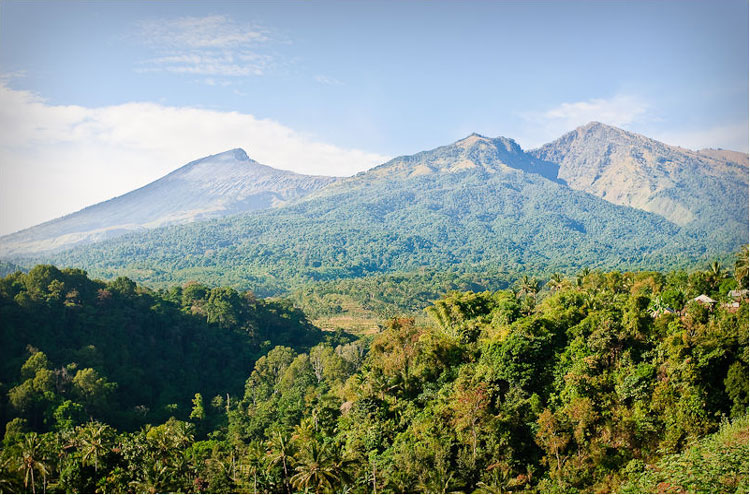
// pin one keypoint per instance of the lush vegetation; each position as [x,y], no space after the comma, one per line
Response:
[715,464]
[366,302]
[582,384]
[469,221]
[127,355]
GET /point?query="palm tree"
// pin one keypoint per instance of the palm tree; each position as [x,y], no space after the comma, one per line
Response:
[317,469]
[657,307]
[556,281]
[91,440]
[439,314]
[716,269]
[527,285]
[255,462]
[32,460]
[581,277]
[279,454]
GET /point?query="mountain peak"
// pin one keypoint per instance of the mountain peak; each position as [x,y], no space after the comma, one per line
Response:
[239,154]
[593,124]
[471,140]
[474,152]
[229,158]
[598,127]
[235,153]
[500,142]
[217,185]
[630,169]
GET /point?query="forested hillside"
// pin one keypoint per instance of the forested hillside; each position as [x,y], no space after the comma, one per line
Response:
[469,207]
[125,354]
[471,220]
[606,381]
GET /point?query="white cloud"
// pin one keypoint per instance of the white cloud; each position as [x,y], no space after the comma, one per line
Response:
[213,45]
[56,159]
[215,31]
[621,111]
[330,81]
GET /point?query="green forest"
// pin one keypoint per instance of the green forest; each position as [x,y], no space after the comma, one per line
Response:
[468,222]
[598,382]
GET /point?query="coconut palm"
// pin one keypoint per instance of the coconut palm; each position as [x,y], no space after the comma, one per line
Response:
[581,277]
[255,461]
[527,285]
[279,453]
[716,269]
[317,469]
[33,461]
[556,281]
[92,442]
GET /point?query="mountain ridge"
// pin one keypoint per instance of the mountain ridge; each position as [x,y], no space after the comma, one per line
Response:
[591,156]
[474,151]
[390,220]
[622,167]
[216,185]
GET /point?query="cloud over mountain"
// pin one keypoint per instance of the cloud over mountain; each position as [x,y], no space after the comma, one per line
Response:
[48,149]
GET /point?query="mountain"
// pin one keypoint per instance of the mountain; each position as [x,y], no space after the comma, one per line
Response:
[476,204]
[475,152]
[214,186]
[726,155]
[704,190]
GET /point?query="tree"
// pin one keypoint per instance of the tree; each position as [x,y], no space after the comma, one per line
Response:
[92,389]
[36,362]
[556,282]
[471,413]
[223,307]
[280,453]
[198,413]
[553,439]
[33,461]
[8,481]
[39,278]
[316,468]
[93,442]
[33,397]
[123,286]
[527,285]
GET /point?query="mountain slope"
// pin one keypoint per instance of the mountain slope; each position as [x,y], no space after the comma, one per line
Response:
[470,205]
[217,185]
[704,190]
[475,152]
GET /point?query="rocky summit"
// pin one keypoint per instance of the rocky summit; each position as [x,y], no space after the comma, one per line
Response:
[703,189]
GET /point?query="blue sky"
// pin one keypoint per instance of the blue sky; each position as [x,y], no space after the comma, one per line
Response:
[102,97]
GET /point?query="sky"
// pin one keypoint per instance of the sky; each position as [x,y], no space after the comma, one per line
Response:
[99,98]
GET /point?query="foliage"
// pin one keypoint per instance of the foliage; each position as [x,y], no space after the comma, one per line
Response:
[572,385]
[469,221]
[72,348]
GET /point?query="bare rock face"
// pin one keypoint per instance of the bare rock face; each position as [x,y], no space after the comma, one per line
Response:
[691,188]
[214,186]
